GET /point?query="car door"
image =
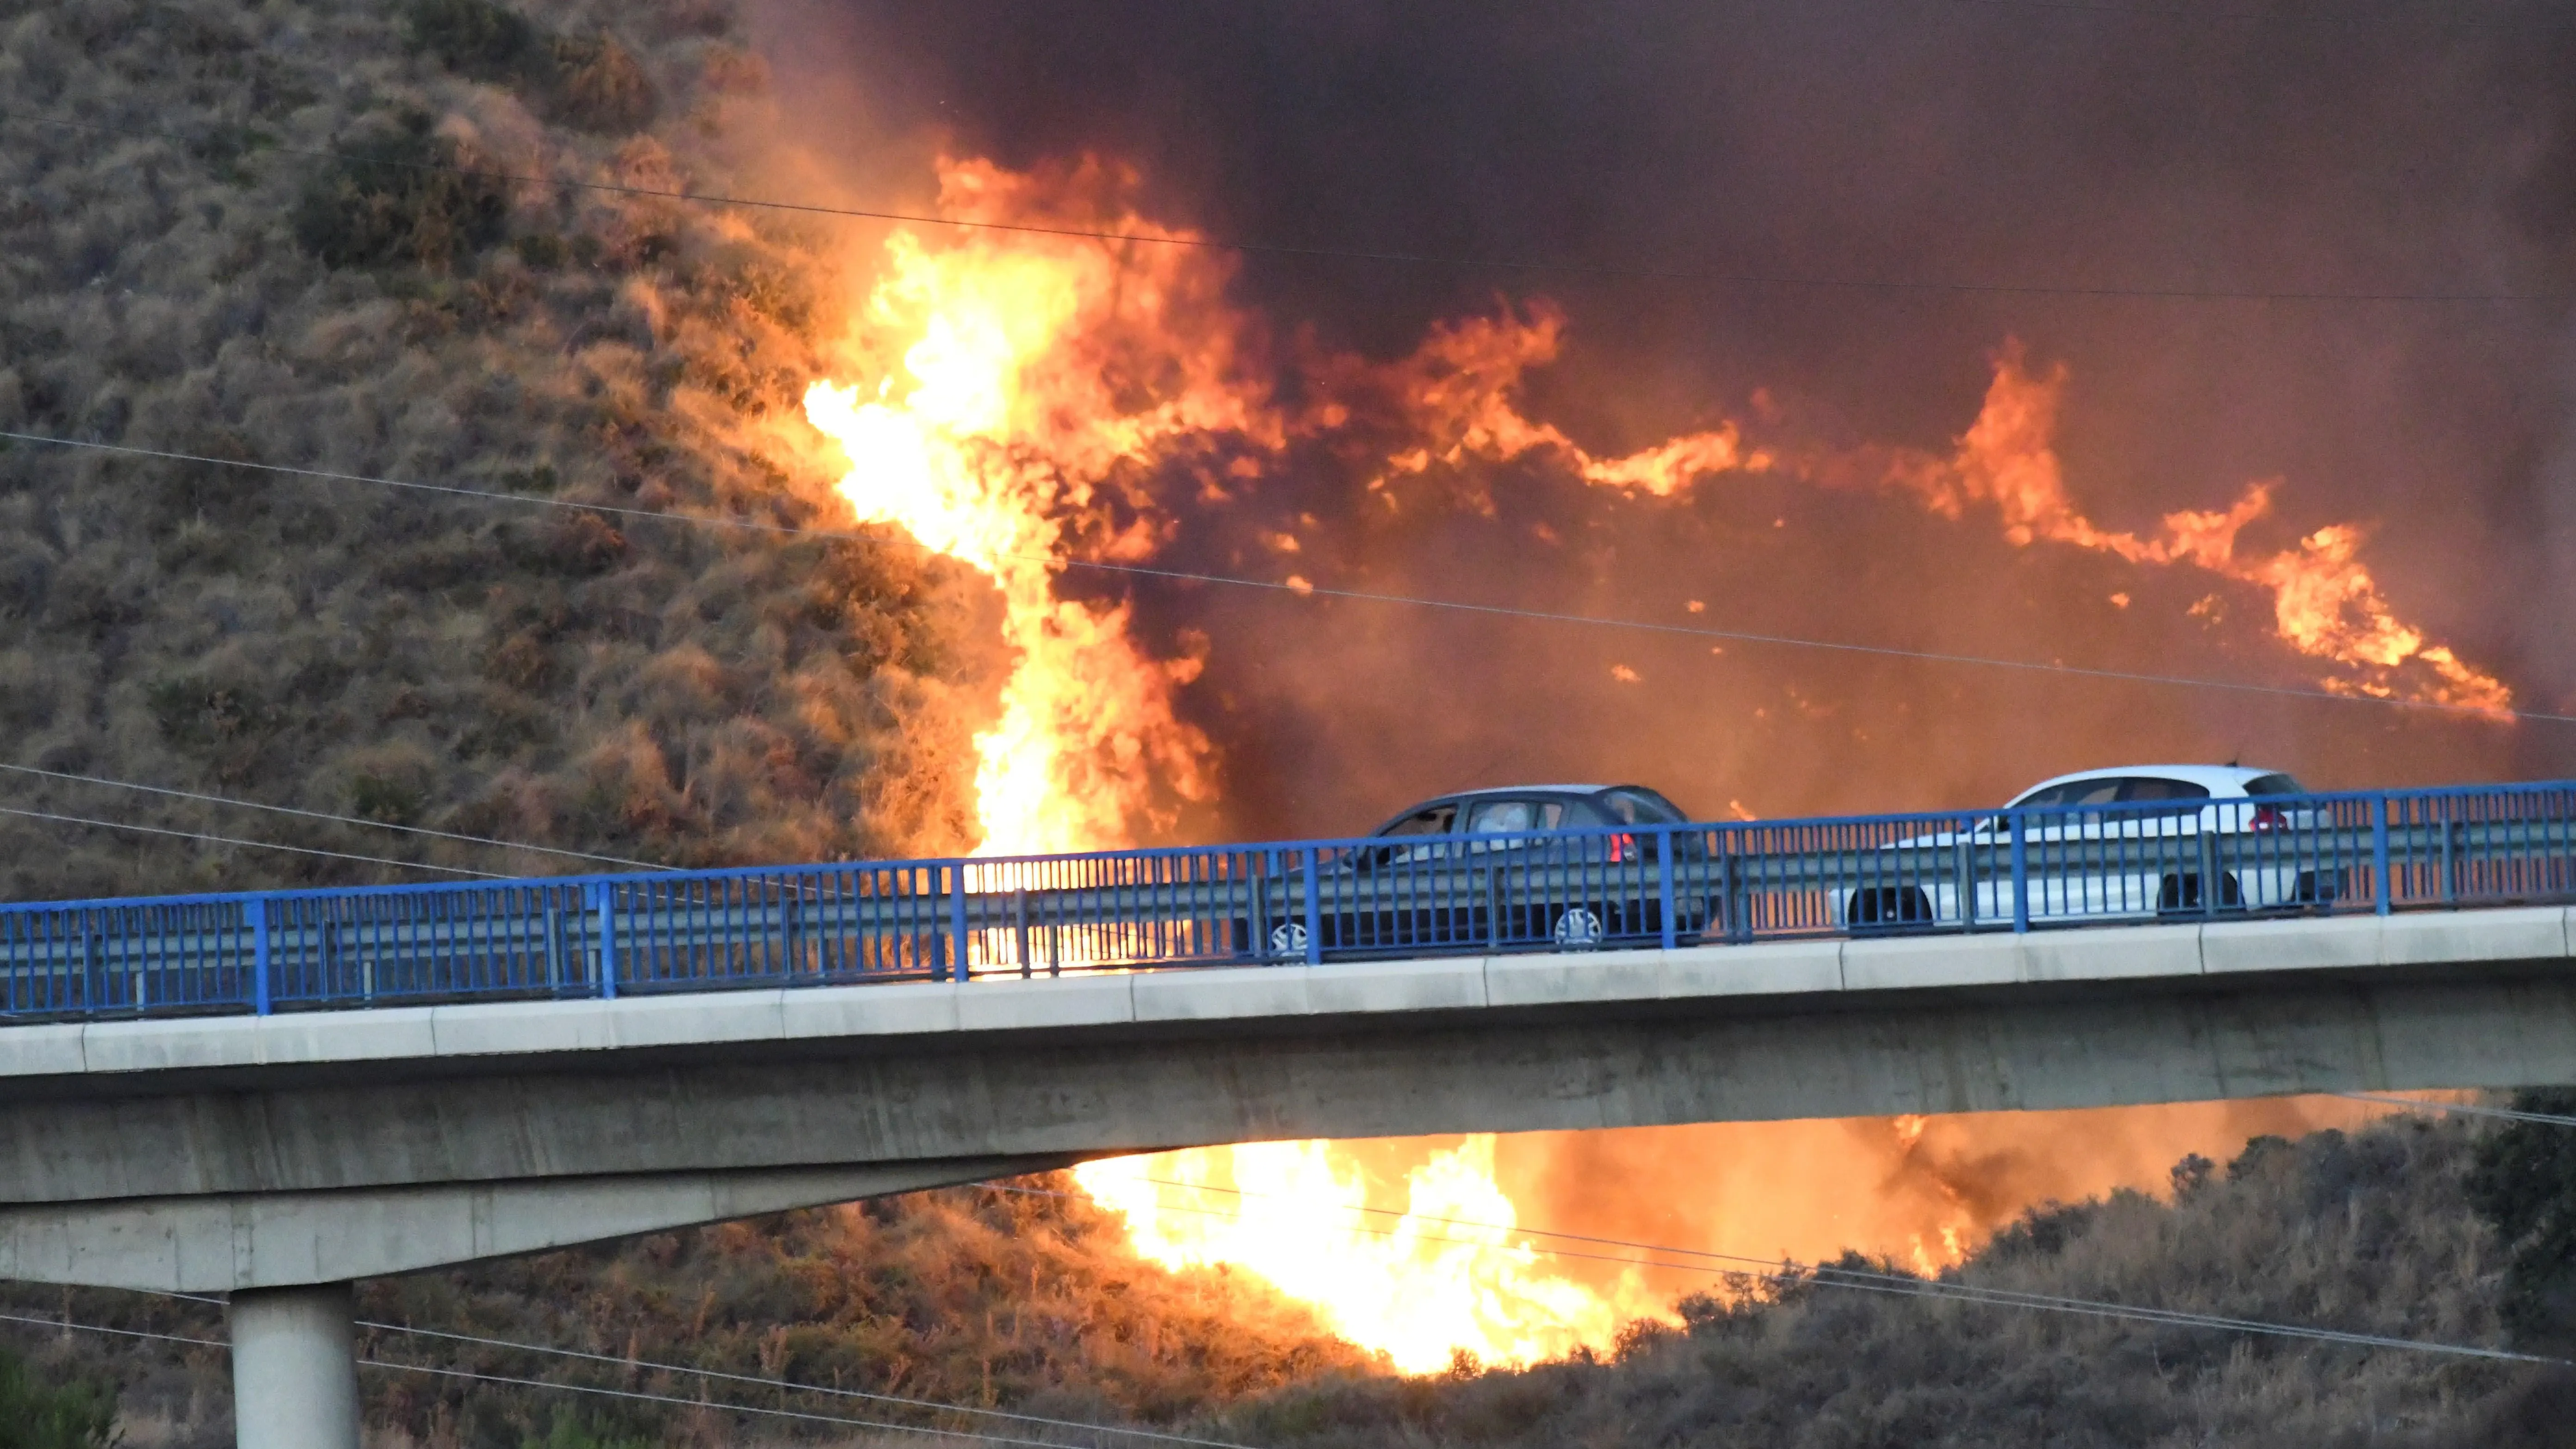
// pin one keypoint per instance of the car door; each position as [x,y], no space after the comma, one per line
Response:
[2159,841]
[1511,825]
[2061,845]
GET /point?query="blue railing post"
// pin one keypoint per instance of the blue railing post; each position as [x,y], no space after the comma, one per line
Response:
[1664,882]
[603,904]
[2379,852]
[957,965]
[1314,908]
[260,999]
[2021,873]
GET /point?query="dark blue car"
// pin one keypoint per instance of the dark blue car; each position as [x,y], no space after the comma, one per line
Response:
[1483,867]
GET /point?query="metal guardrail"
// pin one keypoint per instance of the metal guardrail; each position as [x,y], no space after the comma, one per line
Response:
[1308,901]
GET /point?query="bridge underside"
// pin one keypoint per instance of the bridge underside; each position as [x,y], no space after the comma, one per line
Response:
[235,1242]
[249,1153]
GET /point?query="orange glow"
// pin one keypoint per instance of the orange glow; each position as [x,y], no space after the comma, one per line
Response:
[1027,373]
[1458,389]
[1442,1274]
[2325,604]
[1003,400]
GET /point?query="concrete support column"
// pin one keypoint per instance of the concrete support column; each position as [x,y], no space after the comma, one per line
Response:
[295,1368]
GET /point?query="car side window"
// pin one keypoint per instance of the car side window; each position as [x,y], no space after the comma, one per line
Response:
[1636,805]
[2274,785]
[2148,788]
[2073,792]
[1494,816]
[1434,821]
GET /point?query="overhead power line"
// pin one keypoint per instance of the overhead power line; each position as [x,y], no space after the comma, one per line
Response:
[1366,596]
[640,1396]
[752,1381]
[1792,1273]
[1790,281]
[514,1381]
[250,844]
[358,820]
[2460,1108]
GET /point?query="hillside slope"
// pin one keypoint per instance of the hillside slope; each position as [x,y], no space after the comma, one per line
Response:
[2366,1233]
[1032,1301]
[180,272]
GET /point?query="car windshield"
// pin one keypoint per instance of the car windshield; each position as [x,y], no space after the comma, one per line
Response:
[2274,785]
[1637,805]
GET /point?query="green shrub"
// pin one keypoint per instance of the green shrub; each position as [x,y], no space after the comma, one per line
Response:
[391,203]
[572,1430]
[600,86]
[474,37]
[65,1414]
[2524,1186]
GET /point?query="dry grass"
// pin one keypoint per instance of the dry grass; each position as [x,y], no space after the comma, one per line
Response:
[683,694]
[2367,1232]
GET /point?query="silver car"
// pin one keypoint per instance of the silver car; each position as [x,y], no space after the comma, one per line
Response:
[2136,842]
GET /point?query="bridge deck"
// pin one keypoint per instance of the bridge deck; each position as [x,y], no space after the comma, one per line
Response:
[1311,902]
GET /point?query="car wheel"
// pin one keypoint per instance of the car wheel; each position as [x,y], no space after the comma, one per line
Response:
[1579,929]
[1878,906]
[1288,943]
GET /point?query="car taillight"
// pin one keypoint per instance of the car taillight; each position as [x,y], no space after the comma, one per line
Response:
[1623,847]
[2267,817]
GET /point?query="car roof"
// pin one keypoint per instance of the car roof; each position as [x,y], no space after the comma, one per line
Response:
[2219,779]
[1527,790]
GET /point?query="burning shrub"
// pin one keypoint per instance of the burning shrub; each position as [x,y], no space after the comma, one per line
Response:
[390,204]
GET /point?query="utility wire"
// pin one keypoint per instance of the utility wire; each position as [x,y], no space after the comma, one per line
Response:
[324,815]
[636,1394]
[1506,611]
[1358,254]
[2461,1108]
[1791,1273]
[253,844]
[750,1380]
[113,1332]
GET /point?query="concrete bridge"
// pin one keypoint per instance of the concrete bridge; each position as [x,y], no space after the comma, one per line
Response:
[278,1157]
[270,1094]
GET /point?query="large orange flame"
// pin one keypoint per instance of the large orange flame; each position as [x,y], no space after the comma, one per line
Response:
[1009,399]
[1443,1275]
[1028,373]
[2325,603]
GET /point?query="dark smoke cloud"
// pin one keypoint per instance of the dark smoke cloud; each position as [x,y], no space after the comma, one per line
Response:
[1976,143]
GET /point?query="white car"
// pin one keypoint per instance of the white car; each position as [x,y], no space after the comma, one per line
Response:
[2135,842]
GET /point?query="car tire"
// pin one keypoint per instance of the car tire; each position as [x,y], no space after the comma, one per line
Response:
[2179,895]
[1288,941]
[1879,907]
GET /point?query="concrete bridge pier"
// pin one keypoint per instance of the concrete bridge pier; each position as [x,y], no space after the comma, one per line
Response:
[295,1367]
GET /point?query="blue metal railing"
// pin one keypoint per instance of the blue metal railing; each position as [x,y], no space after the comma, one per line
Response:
[1305,901]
